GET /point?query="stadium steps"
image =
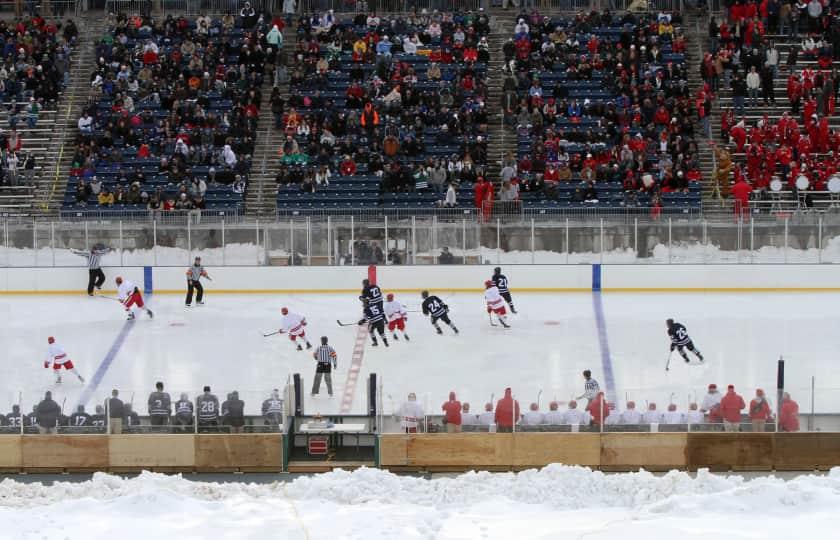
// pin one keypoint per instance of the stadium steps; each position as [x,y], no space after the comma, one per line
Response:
[261,194]
[53,183]
[502,139]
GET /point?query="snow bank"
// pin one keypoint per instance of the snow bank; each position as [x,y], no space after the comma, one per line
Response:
[370,503]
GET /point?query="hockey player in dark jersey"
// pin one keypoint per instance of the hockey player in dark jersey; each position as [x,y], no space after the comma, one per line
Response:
[680,340]
[437,310]
[374,316]
[80,418]
[501,283]
[371,293]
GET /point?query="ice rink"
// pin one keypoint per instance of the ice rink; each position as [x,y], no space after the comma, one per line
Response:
[619,336]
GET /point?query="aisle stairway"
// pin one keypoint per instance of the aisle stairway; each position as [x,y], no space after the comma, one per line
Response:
[62,142]
[49,140]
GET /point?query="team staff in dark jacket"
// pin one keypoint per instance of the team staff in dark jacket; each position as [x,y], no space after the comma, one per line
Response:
[233,412]
[47,414]
[116,412]
[160,406]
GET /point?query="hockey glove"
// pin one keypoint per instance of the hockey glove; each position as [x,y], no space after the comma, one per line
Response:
[673,346]
[46,365]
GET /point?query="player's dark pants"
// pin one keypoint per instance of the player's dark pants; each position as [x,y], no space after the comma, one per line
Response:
[194,284]
[506,296]
[208,425]
[689,346]
[378,326]
[159,420]
[444,318]
[95,279]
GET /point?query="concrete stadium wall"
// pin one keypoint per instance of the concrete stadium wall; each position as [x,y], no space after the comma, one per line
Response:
[611,451]
[524,278]
[250,452]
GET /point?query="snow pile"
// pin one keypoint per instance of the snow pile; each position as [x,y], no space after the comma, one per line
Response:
[370,503]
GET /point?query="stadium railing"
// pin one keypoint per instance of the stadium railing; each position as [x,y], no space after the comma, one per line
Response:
[170,240]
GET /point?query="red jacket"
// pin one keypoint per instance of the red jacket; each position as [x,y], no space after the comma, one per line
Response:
[789,416]
[760,410]
[452,410]
[741,191]
[507,410]
[594,408]
[731,406]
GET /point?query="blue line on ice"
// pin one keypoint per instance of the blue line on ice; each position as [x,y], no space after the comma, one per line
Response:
[604,342]
[106,363]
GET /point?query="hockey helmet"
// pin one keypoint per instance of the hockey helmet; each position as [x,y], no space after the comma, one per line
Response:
[284,310]
[488,284]
[119,280]
[390,297]
[50,339]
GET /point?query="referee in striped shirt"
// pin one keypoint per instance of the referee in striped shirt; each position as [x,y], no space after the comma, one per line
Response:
[96,277]
[327,361]
[590,387]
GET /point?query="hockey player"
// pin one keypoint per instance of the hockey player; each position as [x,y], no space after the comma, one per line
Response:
[680,340]
[194,275]
[58,359]
[272,409]
[293,324]
[533,417]
[437,311]
[630,416]
[495,304]
[372,293]
[129,295]
[374,316]
[397,315]
[80,418]
[98,420]
[14,418]
[501,282]
[410,414]
[673,416]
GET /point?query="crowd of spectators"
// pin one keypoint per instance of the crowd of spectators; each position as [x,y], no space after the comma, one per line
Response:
[34,71]
[743,56]
[115,416]
[172,116]
[399,102]
[602,108]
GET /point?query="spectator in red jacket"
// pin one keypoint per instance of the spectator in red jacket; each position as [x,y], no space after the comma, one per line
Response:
[452,414]
[598,409]
[731,406]
[507,412]
[760,411]
[789,414]
[741,192]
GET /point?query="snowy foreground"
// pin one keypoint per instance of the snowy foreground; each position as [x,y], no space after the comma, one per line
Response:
[555,502]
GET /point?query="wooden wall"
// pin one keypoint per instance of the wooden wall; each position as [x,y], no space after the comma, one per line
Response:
[130,453]
[611,451]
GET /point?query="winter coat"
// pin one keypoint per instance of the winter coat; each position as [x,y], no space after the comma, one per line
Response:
[731,406]
[595,409]
[789,416]
[452,410]
[507,410]
[760,409]
[48,412]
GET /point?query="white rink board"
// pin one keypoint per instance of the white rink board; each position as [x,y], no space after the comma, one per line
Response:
[559,278]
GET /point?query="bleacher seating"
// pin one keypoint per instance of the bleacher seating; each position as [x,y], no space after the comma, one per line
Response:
[426,103]
[172,118]
[608,96]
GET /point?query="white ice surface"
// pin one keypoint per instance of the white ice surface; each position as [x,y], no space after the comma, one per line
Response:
[555,502]
[553,339]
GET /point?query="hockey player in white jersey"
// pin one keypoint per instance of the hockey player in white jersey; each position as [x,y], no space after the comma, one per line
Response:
[652,416]
[533,417]
[294,324]
[673,416]
[575,416]
[694,416]
[397,316]
[57,358]
[129,295]
[410,414]
[630,416]
[553,417]
[495,303]
[488,417]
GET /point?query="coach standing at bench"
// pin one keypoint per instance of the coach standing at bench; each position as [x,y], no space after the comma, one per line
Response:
[194,275]
[96,277]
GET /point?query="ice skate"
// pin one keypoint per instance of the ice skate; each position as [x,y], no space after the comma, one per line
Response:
[395,337]
[300,348]
[150,313]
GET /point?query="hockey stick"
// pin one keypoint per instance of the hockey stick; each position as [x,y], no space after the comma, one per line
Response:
[490,316]
[345,323]
[273,333]
[539,395]
[109,297]
[668,363]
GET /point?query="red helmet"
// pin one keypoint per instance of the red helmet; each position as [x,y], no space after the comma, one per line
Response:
[488,284]
[284,311]
[118,280]
[50,339]
[390,297]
